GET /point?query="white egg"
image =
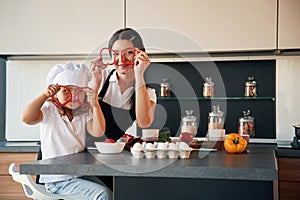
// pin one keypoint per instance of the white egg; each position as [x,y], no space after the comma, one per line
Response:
[183,146]
[150,146]
[137,146]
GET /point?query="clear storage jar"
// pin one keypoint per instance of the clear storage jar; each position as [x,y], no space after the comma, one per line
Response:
[246,124]
[189,123]
[208,87]
[215,118]
[250,87]
[165,88]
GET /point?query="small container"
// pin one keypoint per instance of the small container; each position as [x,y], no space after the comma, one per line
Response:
[215,118]
[150,135]
[208,88]
[246,124]
[165,88]
[250,87]
[189,123]
[297,131]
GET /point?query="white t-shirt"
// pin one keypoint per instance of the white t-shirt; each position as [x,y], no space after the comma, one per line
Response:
[60,136]
[114,97]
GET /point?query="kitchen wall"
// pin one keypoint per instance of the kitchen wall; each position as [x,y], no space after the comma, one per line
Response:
[25,80]
[46,33]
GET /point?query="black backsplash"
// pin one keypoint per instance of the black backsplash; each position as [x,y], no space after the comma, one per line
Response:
[186,80]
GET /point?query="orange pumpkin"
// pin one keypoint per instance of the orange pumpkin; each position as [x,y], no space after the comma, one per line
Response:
[235,143]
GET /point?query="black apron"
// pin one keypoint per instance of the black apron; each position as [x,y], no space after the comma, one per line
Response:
[118,120]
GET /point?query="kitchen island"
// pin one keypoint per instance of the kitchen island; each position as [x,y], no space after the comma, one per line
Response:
[205,175]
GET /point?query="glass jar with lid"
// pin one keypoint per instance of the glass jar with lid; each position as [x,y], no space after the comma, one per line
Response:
[246,124]
[189,123]
[215,118]
[165,88]
[208,87]
[250,87]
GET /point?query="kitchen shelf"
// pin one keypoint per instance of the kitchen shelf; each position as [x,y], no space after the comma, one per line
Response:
[186,81]
[218,98]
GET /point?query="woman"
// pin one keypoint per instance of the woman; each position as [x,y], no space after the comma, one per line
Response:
[123,95]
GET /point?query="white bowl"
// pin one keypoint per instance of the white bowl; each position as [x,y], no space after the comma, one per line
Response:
[110,147]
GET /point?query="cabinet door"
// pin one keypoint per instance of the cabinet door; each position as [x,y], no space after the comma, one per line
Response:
[289,178]
[7,158]
[9,189]
[51,27]
[288,24]
[197,25]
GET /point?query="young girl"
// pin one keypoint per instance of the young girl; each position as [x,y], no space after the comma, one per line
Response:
[65,111]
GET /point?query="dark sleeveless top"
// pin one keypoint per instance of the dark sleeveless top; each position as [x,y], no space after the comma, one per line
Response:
[118,120]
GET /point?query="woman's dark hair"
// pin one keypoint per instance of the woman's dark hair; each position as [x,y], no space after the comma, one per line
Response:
[127,34]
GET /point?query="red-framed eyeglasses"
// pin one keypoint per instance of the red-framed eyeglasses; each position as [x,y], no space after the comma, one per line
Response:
[109,56]
[76,98]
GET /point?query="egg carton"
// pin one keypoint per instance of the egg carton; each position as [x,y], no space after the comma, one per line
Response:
[181,151]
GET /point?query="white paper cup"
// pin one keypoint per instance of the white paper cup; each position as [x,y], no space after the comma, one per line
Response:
[150,134]
[216,134]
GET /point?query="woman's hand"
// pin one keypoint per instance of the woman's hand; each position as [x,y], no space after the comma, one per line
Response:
[92,97]
[141,62]
[96,66]
[51,90]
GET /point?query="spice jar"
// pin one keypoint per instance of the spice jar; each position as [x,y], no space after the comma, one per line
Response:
[246,124]
[250,87]
[189,123]
[208,87]
[215,118]
[165,88]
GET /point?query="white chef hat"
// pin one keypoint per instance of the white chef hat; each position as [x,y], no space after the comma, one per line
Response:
[69,74]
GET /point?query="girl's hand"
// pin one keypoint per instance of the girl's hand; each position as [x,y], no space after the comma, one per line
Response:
[141,62]
[96,66]
[51,90]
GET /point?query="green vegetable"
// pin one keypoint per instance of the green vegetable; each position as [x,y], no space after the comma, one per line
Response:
[164,137]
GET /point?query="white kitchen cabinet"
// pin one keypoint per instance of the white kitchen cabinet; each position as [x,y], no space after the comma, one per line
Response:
[197,25]
[287,96]
[289,24]
[57,27]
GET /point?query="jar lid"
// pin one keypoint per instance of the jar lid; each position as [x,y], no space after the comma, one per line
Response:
[246,117]
[208,82]
[251,81]
[216,112]
[212,114]
[165,83]
[189,117]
